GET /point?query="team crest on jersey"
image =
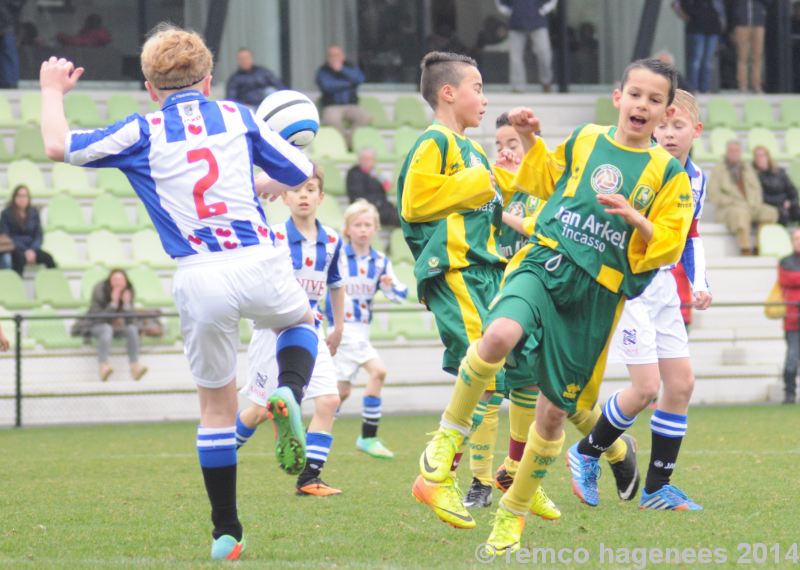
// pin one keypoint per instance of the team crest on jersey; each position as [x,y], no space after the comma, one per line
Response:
[516,209]
[685,200]
[642,197]
[474,160]
[433,262]
[606,179]
[532,203]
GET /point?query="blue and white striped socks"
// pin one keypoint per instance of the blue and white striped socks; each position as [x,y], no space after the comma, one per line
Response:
[668,431]
[371,416]
[318,446]
[216,451]
[243,433]
[611,424]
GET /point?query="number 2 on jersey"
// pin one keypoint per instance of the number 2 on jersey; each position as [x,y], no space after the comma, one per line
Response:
[206,210]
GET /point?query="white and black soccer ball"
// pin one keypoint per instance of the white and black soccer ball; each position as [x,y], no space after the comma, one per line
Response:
[292,115]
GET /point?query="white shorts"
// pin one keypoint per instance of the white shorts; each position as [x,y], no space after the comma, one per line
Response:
[354,351]
[212,294]
[262,370]
[651,326]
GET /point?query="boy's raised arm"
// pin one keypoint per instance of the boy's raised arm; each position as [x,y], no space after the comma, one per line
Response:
[56,78]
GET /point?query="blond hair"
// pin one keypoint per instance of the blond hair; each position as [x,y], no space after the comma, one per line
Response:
[686,102]
[358,208]
[174,58]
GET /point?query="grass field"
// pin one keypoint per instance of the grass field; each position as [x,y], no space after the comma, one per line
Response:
[131,496]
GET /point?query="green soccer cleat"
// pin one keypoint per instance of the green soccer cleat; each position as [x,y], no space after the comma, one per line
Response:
[227,548]
[290,437]
[373,447]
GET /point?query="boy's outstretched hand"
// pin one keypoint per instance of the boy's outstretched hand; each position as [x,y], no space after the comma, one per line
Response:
[59,74]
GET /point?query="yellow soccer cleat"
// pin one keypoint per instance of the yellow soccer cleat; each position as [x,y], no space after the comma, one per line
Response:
[543,507]
[445,500]
[437,459]
[506,533]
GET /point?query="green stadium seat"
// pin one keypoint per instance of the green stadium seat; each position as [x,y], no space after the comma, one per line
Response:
[148,287]
[700,152]
[245,331]
[398,248]
[370,137]
[28,144]
[604,111]
[5,154]
[791,142]
[405,273]
[411,325]
[334,179]
[82,111]
[62,247]
[30,104]
[143,221]
[794,171]
[410,110]
[64,213]
[114,181]
[105,249]
[120,106]
[330,143]
[404,140]
[147,250]
[90,278]
[109,213]
[760,136]
[330,214]
[51,333]
[790,112]
[10,329]
[277,212]
[52,288]
[172,332]
[28,174]
[719,141]
[774,241]
[7,118]
[758,113]
[377,112]
[721,113]
[73,180]
[379,329]
[13,296]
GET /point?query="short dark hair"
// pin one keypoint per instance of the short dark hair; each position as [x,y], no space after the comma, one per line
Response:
[659,68]
[502,121]
[441,68]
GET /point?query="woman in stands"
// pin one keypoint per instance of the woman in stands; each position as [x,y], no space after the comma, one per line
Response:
[778,188]
[21,222]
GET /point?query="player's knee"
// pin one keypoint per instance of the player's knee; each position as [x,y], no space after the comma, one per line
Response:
[379,374]
[496,343]
[681,388]
[326,406]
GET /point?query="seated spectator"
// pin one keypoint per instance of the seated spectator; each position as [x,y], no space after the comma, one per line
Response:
[363,183]
[113,295]
[734,188]
[789,280]
[92,34]
[338,82]
[20,221]
[777,187]
[251,83]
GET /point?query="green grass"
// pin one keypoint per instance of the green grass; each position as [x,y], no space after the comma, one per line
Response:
[132,496]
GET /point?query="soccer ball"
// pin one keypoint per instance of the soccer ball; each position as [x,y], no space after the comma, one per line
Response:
[292,115]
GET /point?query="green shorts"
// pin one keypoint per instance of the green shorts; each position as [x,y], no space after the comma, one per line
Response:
[568,319]
[459,300]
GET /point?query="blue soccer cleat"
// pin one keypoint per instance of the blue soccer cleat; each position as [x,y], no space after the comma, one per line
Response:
[585,471]
[667,498]
[227,548]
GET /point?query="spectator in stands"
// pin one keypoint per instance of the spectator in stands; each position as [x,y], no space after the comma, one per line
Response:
[9,56]
[251,83]
[734,188]
[92,34]
[4,344]
[20,221]
[748,18]
[115,295]
[705,22]
[789,279]
[363,182]
[529,19]
[777,187]
[338,81]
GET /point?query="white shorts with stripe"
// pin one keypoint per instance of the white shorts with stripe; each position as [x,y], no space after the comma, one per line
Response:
[354,351]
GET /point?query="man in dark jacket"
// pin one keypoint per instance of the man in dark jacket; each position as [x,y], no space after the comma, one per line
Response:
[338,82]
[748,18]
[789,279]
[705,22]
[9,56]
[363,183]
[251,83]
[529,18]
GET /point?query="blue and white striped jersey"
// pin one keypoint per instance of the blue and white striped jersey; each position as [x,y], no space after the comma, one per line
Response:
[191,163]
[362,280]
[694,254]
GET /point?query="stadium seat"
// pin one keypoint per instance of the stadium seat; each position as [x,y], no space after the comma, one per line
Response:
[7,118]
[143,221]
[758,113]
[791,142]
[377,112]
[700,152]
[405,273]
[719,141]
[774,241]
[411,325]
[52,288]
[105,249]
[172,332]
[148,287]
[330,143]
[794,171]
[720,112]
[790,112]
[64,213]
[330,214]
[73,180]
[109,213]
[404,140]
[10,330]
[90,278]
[30,104]
[370,137]
[28,144]
[5,154]
[81,111]
[120,106]
[760,136]
[277,212]
[147,250]
[409,110]
[334,179]
[112,180]
[62,247]
[604,111]
[13,296]
[51,333]
[398,248]
[379,329]
[27,173]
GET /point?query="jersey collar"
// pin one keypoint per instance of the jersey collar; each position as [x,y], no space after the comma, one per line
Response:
[350,252]
[182,97]
[691,169]
[294,235]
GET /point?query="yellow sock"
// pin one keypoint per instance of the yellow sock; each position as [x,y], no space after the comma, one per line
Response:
[585,420]
[481,443]
[522,412]
[539,455]
[474,376]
